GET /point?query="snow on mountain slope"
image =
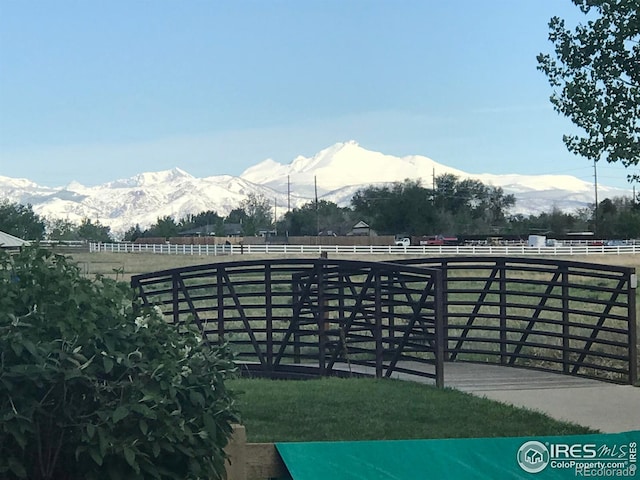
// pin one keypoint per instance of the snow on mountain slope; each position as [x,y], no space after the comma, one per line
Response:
[17,189]
[343,165]
[339,171]
[536,183]
[141,199]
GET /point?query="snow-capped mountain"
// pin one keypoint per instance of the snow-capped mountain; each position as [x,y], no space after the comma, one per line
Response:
[344,165]
[336,173]
[137,200]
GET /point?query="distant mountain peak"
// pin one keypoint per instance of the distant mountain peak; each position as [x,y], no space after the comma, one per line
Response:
[152,178]
[74,186]
[269,169]
[346,164]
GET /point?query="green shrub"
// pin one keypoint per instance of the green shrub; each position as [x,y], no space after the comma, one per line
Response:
[92,388]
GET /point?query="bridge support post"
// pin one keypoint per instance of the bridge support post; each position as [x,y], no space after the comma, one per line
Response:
[320,319]
[439,326]
[378,327]
[633,330]
[502,276]
[564,282]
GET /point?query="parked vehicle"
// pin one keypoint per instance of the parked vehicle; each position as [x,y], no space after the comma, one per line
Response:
[401,241]
[425,240]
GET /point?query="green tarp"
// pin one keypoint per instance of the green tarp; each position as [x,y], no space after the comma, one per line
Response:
[539,458]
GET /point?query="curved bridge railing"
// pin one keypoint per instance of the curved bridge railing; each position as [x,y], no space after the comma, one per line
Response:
[326,316]
[281,316]
[569,317]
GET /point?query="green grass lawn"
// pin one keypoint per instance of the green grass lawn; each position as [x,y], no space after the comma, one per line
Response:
[335,409]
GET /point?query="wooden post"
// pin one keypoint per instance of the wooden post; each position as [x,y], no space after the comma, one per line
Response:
[252,461]
[263,462]
[236,463]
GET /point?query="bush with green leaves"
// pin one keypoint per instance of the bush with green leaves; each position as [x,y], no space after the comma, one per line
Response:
[92,387]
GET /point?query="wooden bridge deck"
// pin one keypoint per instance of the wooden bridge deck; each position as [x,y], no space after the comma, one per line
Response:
[472,377]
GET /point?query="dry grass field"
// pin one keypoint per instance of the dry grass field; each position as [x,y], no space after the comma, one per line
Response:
[124,265]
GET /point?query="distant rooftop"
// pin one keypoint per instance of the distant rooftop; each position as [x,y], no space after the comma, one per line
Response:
[9,241]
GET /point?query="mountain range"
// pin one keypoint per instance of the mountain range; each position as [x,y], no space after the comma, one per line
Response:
[335,173]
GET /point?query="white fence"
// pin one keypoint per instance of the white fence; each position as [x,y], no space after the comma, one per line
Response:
[172,249]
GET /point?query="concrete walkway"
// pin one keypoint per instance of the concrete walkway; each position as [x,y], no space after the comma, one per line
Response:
[604,406]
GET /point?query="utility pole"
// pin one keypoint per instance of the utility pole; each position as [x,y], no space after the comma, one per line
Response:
[433,186]
[288,194]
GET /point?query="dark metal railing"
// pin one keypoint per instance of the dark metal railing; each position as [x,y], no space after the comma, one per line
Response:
[282,316]
[570,317]
[410,316]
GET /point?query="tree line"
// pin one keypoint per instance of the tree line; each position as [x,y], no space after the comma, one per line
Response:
[450,207]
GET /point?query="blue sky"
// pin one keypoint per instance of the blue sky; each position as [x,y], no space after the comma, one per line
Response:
[95,91]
